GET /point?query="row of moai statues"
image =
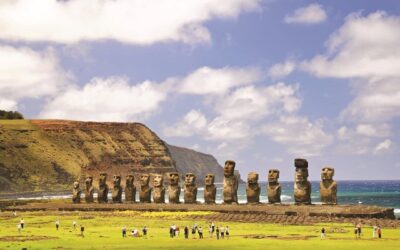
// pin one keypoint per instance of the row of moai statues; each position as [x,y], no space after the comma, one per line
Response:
[302,187]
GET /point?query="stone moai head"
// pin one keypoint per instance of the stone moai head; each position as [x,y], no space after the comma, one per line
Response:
[103,178]
[273,175]
[229,168]
[173,178]
[117,180]
[144,180]
[158,180]
[209,179]
[252,178]
[89,181]
[76,185]
[129,180]
[301,170]
[190,179]
[327,173]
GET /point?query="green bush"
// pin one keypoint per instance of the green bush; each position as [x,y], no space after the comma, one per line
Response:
[10,115]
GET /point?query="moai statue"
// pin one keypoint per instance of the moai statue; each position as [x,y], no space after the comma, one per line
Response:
[76,193]
[130,189]
[145,189]
[328,187]
[230,183]
[102,194]
[302,187]
[210,191]
[190,189]
[89,189]
[174,190]
[274,188]
[158,189]
[117,189]
[253,188]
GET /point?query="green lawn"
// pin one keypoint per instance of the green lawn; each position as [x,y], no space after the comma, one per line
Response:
[103,231]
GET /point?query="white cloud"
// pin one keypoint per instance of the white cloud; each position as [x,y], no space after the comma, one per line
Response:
[25,73]
[6,104]
[383,146]
[141,22]
[193,122]
[207,80]
[311,14]
[225,129]
[110,99]
[299,135]
[281,70]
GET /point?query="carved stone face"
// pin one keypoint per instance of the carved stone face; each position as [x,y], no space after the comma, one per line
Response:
[144,179]
[229,168]
[129,180]
[89,181]
[252,178]
[103,178]
[190,179]
[327,173]
[76,185]
[301,174]
[174,178]
[273,175]
[117,180]
[158,180]
[209,180]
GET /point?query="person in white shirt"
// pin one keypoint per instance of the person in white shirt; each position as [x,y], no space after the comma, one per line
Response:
[74,225]
[19,228]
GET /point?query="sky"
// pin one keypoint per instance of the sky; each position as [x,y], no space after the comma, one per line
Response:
[258,82]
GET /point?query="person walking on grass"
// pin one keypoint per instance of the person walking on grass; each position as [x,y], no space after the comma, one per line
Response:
[171,231]
[194,232]
[74,225]
[222,232]
[322,233]
[227,232]
[186,232]
[123,232]
[57,224]
[379,230]
[19,228]
[200,230]
[217,233]
[210,232]
[177,231]
[82,230]
[22,222]
[144,230]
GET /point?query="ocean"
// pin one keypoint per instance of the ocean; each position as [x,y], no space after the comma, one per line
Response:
[379,193]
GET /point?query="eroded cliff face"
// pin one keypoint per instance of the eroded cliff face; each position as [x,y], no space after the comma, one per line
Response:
[50,154]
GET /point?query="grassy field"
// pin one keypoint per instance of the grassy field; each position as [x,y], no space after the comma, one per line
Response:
[103,231]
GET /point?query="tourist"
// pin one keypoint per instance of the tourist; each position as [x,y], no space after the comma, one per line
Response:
[322,233]
[194,232]
[144,230]
[359,230]
[227,232]
[22,222]
[171,231]
[186,231]
[82,230]
[212,227]
[217,233]
[355,231]
[123,232]
[57,224]
[19,228]
[210,231]
[177,231]
[74,225]
[374,229]
[15,213]
[222,229]
[135,233]
[200,230]
[379,232]
[174,230]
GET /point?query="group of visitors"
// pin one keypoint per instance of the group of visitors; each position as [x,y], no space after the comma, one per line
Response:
[376,231]
[220,232]
[134,232]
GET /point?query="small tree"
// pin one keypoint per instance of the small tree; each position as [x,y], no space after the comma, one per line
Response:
[10,115]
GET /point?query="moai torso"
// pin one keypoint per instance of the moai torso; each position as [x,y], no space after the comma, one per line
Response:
[230,183]
[190,189]
[253,188]
[302,187]
[174,190]
[158,189]
[102,195]
[117,189]
[89,190]
[76,193]
[274,188]
[145,190]
[210,191]
[130,189]
[328,187]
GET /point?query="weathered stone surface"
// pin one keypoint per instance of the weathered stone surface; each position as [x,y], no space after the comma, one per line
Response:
[174,190]
[210,191]
[302,187]
[274,188]
[76,193]
[102,194]
[145,189]
[117,189]
[158,189]
[130,189]
[230,183]
[190,189]
[328,187]
[89,189]
[253,188]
